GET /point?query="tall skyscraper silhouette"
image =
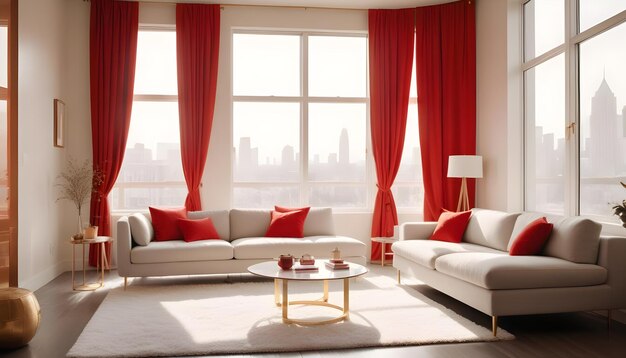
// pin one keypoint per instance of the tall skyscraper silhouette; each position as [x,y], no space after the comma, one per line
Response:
[344,148]
[288,158]
[606,149]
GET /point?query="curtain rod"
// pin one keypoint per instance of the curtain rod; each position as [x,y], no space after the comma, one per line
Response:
[223,6]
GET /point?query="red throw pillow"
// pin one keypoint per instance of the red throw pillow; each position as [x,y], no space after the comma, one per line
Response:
[282,209]
[531,240]
[165,223]
[451,226]
[196,230]
[287,224]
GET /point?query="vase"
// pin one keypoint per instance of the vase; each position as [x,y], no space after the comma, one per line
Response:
[91,232]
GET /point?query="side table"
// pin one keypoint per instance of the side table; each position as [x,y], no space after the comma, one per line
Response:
[101,264]
[384,241]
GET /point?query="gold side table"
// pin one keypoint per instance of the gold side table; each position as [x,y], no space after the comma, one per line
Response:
[384,241]
[102,263]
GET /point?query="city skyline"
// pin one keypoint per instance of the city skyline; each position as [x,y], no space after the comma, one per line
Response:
[602,158]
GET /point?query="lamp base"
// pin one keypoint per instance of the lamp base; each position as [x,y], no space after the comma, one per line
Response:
[463,204]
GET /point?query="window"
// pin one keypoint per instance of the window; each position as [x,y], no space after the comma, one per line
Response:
[543,26]
[575,106]
[300,124]
[603,121]
[300,120]
[545,136]
[282,110]
[152,173]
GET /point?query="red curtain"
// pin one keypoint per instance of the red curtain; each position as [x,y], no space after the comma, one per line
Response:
[197,50]
[446,83]
[112,50]
[391,62]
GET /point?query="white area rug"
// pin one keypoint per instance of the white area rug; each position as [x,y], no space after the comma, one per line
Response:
[147,321]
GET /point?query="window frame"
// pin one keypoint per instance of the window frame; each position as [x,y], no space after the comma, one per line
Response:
[570,49]
[122,186]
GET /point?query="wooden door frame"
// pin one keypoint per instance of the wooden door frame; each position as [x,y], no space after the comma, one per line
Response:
[12,134]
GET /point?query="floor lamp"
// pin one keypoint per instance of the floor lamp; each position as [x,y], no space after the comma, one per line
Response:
[464,166]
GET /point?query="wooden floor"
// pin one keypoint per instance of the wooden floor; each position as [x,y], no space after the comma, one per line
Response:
[65,314]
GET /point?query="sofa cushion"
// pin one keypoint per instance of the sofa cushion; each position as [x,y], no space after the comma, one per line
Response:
[501,271]
[490,228]
[525,218]
[220,218]
[451,226]
[248,223]
[180,251]
[575,239]
[425,252]
[318,246]
[141,229]
[319,222]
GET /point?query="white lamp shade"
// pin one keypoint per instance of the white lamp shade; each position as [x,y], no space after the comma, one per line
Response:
[465,166]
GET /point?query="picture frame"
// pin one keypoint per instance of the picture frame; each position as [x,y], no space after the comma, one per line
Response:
[59,123]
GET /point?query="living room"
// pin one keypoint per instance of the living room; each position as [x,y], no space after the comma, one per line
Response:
[304,111]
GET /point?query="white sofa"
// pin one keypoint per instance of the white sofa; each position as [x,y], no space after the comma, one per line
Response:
[578,269]
[241,244]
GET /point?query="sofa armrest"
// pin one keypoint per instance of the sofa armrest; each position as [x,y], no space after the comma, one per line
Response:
[416,230]
[124,245]
[612,256]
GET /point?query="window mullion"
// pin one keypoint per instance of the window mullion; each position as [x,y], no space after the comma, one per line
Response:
[304,123]
[571,111]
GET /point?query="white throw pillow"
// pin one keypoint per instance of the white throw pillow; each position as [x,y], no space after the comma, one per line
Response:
[141,229]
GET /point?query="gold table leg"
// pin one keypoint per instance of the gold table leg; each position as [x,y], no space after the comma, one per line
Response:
[285,301]
[346,298]
[73,265]
[325,298]
[323,302]
[99,274]
[382,257]
[277,292]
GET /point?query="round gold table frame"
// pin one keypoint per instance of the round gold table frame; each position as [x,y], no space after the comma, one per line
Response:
[102,263]
[285,303]
[282,277]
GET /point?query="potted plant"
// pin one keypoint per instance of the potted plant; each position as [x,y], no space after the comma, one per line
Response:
[620,210]
[77,183]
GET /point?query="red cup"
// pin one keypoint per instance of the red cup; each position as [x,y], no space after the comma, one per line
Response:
[285,261]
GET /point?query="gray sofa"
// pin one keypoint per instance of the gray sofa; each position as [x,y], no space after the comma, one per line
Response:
[578,269]
[242,243]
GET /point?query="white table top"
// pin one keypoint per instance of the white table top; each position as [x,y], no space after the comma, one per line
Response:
[272,270]
[385,240]
[97,240]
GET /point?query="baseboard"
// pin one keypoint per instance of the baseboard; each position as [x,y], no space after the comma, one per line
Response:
[41,279]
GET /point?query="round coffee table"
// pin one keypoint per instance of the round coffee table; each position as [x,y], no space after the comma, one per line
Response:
[270,269]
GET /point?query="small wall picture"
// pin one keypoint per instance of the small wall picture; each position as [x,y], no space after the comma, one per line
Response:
[59,123]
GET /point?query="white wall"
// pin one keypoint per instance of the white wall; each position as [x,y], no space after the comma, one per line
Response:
[498,104]
[53,60]
[41,58]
